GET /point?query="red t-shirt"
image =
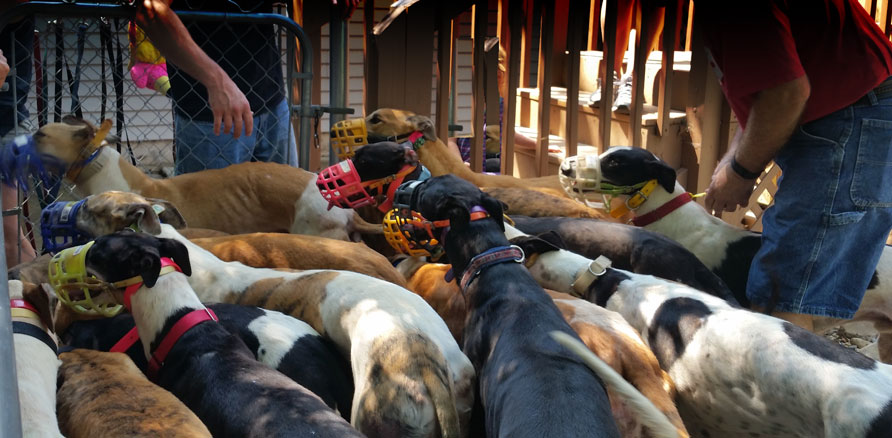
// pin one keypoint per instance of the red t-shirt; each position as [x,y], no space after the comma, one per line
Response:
[765,43]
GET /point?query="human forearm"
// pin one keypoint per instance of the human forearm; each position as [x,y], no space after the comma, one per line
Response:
[168,34]
[774,115]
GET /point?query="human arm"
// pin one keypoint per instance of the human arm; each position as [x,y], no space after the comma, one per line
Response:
[4,68]
[773,117]
[228,104]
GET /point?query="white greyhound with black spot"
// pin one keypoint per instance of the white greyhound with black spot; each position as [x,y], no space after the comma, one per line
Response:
[725,249]
[737,373]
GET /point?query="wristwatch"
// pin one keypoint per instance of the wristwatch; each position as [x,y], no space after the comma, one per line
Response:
[743,171]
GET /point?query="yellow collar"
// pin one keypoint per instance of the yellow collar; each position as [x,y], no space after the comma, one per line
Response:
[18,312]
[635,200]
[138,279]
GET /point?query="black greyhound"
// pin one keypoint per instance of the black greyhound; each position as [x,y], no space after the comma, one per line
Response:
[308,359]
[530,386]
[208,368]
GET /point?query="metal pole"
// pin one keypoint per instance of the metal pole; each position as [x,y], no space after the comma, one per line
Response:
[338,72]
[10,418]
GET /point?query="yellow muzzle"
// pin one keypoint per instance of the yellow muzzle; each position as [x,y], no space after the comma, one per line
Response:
[68,276]
[347,136]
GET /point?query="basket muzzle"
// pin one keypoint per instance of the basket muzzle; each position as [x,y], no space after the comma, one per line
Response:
[341,186]
[411,234]
[347,135]
[58,226]
[75,287]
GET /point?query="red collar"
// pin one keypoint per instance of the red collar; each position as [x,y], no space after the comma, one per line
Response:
[663,210]
[130,290]
[182,326]
[492,256]
[394,183]
[126,342]
[18,303]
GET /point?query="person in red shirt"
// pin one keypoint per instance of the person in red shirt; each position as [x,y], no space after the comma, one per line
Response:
[809,82]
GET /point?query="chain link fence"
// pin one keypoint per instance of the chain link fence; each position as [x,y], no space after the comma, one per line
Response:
[67,60]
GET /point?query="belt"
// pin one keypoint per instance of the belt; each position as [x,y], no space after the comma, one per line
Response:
[880,91]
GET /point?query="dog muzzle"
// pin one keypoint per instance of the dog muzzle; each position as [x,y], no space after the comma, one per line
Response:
[58,226]
[20,160]
[409,233]
[346,136]
[75,287]
[580,176]
[341,186]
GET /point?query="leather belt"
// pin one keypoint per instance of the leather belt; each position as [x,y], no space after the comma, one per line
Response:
[880,91]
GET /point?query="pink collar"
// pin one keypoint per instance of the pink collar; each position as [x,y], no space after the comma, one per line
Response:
[663,210]
[492,256]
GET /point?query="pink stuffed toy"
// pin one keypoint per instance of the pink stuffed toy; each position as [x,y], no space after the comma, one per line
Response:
[148,68]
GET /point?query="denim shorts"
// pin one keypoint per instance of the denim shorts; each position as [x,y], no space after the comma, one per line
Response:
[832,213]
[199,149]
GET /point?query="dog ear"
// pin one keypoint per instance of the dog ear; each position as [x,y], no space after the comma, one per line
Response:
[495,208]
[456,210]
[178,252]
[42,300]
[554,239]
[665,174]
[168,213]
[423,124]
[149,268]
[533,245]
[140,214]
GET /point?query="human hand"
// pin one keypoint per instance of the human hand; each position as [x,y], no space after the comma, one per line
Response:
[231,108]
[727,190]
[4,68]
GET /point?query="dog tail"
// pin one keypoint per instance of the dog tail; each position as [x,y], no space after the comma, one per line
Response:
[648,414]
[443,396]
[360,226]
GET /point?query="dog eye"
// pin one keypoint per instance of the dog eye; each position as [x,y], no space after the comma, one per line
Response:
[375,119]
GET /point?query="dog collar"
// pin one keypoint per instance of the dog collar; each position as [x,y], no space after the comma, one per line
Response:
[490,257]
[89,151]
[124,344]
[663,210]
[595,269]
[133,284]
[393,182]
[20,308]
[638,197]
[58,226]
[417,140]
[186,323]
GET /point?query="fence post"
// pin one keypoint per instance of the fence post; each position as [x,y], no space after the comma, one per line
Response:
[337,73]
[10,419]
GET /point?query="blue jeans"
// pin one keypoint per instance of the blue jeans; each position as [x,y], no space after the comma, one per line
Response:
[199,149]
[823,236]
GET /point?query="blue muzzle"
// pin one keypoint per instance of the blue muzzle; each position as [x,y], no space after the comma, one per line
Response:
[58,226]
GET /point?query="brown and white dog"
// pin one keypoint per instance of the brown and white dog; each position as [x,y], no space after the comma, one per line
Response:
[411,378]
[35,358]
[387,122]
[242,198]
[104,395]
